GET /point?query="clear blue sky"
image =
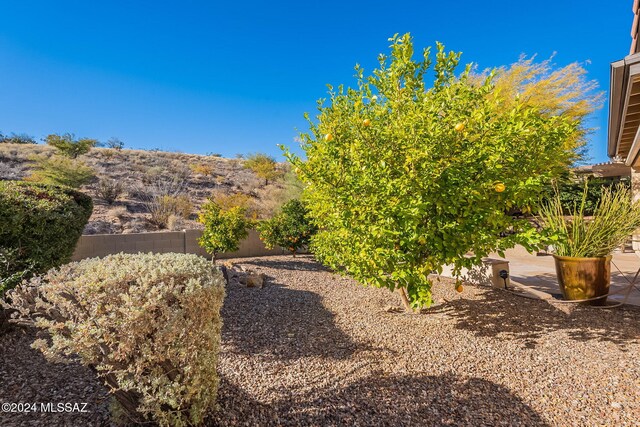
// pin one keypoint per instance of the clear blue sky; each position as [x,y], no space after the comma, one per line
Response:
[237,77]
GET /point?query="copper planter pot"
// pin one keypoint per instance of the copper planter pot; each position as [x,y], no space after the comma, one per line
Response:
[584,278]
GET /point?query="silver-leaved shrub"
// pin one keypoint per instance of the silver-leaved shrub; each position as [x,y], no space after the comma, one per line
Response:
[149,324]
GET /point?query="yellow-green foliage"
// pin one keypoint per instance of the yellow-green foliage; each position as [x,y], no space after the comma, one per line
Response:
[264,166]
[68,146]
[223,228]
[405,175]
[562,91]
[201,169]
[232,200]
[163,206]
[149,323]
[58,170]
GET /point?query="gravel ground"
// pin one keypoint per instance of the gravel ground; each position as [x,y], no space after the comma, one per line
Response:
[27,379]
[313,348]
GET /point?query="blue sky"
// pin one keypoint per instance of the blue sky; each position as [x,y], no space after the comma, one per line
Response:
[237,77]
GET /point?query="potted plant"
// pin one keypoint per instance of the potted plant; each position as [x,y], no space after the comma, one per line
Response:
[583,245]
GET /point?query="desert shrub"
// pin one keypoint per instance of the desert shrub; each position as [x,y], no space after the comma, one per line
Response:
[17,138]
[39,228]
[183,206]
[115,144]
[227,201]
[223,228]
[119,212]
[290,229]
[109,190]
[264,166]
[68,146]
[149,324]
[276,196]
[153,174]
[175,223]
[559,91]
[57,170]
[164,196]
[108,153]
[163,206]
[201,169]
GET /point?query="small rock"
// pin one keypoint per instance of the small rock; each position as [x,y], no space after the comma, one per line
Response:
[254,280]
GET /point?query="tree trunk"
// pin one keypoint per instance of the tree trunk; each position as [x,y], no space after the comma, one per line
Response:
[405,300]
[128,400]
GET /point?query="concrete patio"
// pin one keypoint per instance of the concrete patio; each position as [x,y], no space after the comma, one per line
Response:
[539,273]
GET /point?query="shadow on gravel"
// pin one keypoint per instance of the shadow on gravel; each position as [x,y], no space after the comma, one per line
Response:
[378,400]
[504,316]
[27,377]
[281,323]
[300,263]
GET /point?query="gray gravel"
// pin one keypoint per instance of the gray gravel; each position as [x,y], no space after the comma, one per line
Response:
[313,348]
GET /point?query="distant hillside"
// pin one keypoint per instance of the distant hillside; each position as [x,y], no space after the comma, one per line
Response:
[197,176]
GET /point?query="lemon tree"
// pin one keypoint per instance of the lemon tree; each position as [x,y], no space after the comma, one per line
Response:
[223,228]
[403,178]
[290,228]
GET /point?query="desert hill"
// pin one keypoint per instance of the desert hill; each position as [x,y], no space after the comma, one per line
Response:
[192,177]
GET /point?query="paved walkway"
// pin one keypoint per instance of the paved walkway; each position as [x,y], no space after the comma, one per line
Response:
[539,272]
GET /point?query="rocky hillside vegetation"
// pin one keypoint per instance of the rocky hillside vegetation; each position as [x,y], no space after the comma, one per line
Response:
[138,191]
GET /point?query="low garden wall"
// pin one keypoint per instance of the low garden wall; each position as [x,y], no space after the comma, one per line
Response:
[186,241]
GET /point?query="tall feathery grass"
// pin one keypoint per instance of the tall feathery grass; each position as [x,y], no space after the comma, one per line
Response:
[615,218]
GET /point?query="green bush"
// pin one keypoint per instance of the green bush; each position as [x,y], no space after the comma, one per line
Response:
[39,228]
[223,228]
[571,193]
[264,166]
[68,146]
[290,229]
[149,324]
[57,170]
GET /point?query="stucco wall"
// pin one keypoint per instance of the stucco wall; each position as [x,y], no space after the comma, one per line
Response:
[99,245]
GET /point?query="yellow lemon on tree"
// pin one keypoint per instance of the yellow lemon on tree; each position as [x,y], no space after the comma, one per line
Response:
[328,137]
[459,127]
[366,122]
[499,187]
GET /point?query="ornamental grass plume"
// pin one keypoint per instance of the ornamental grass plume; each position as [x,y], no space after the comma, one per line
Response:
[615,218]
